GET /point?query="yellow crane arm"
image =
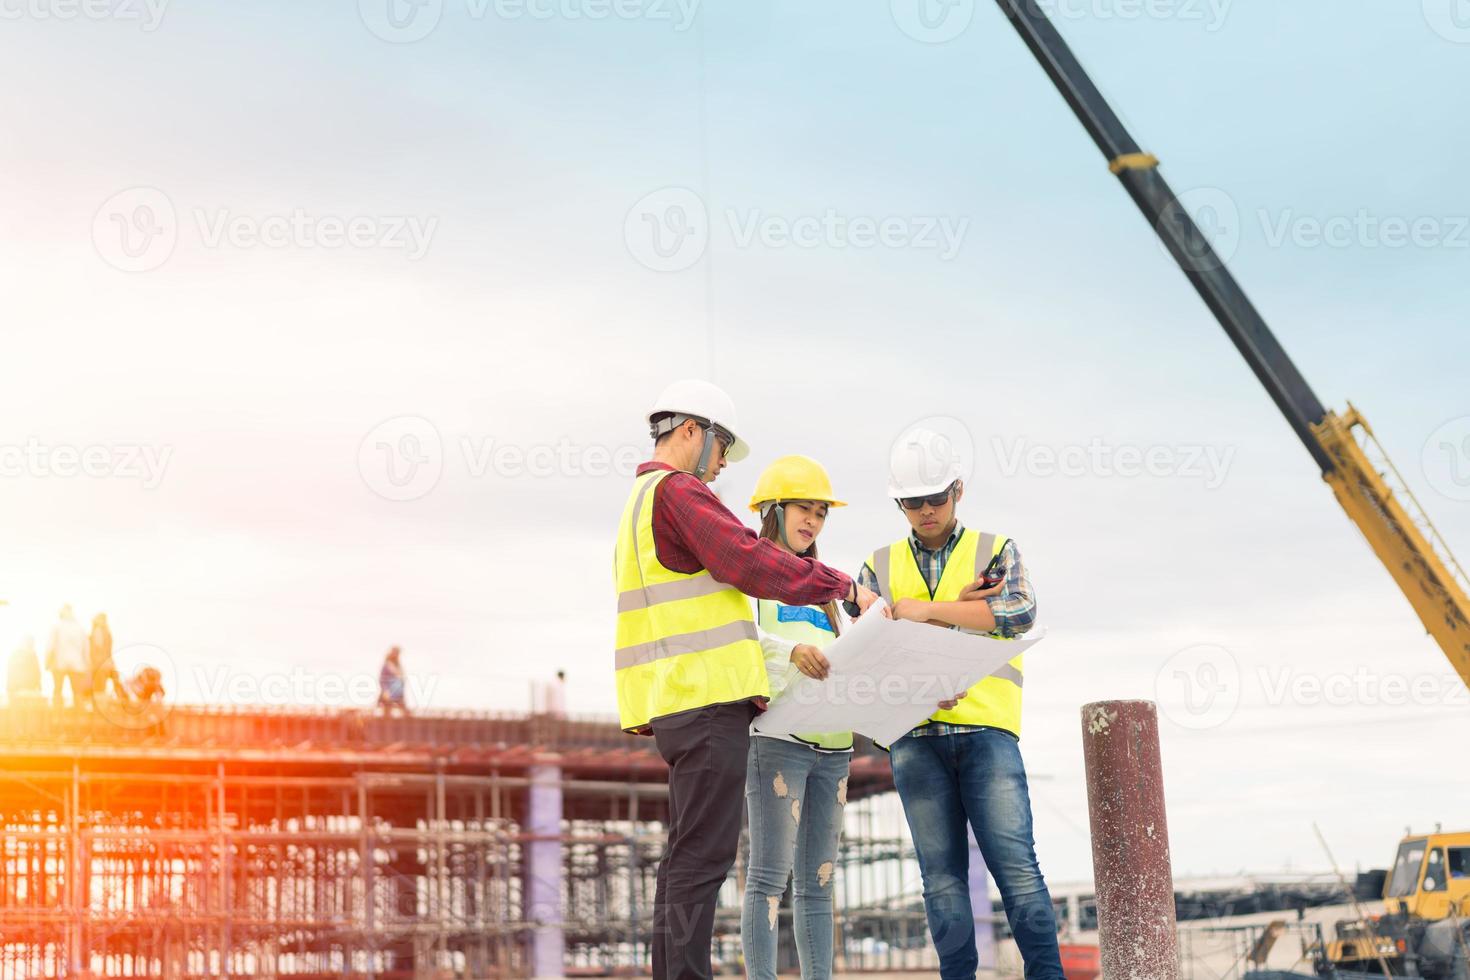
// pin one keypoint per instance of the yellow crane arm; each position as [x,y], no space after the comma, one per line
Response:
[1375,496]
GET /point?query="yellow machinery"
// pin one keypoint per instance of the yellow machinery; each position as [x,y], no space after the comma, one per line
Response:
[1351,461]
[1430,877]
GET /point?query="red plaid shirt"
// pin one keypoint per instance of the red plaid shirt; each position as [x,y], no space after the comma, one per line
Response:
[692,530]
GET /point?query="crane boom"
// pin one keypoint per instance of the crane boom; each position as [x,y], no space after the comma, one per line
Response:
[1343,447]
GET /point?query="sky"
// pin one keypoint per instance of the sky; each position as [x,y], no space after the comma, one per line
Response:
[332,326]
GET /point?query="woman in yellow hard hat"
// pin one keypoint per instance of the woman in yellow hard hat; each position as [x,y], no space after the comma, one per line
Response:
[795,785]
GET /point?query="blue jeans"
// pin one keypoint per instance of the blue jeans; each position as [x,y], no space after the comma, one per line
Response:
[945,781]
[795,796]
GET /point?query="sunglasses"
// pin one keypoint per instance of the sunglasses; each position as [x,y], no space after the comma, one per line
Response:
[724,438]
[933,500]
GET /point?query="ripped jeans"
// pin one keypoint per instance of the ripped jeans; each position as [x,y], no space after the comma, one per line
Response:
[795,797]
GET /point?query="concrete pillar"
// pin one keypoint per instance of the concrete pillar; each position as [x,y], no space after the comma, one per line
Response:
[980,905]
[544,869]
[1130,840]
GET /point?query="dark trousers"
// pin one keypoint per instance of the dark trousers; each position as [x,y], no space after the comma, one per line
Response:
[706,750]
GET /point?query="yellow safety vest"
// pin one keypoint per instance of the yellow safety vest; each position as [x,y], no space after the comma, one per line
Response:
[803,624]
[995,701]
[684,641]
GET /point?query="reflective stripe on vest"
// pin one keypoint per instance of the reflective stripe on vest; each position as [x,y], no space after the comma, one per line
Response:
[683,641]
[995,701]
[799,630]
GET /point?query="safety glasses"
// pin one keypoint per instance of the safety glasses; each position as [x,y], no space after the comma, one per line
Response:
[933,500]
[725,439]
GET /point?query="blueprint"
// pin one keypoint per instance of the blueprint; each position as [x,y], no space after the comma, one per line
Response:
[887,676]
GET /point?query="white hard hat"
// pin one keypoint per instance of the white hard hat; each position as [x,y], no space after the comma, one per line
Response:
[922,462]
[707,403]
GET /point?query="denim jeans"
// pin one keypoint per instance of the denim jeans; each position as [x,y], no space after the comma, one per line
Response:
[977,777]
[795,796]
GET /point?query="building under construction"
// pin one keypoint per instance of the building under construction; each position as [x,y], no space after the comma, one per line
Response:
[203,842]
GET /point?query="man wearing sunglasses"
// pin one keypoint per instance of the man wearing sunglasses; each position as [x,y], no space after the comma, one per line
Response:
[690,670]
[963,766]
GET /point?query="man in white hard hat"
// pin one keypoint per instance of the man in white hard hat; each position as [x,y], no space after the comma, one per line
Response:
[963,766]
[690,670]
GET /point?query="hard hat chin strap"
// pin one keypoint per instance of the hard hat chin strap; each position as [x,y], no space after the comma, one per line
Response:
[780,509]
[706,446]
[706,450]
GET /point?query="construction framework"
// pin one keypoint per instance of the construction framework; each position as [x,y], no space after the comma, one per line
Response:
[205,842]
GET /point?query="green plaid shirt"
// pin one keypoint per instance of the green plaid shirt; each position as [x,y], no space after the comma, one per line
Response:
[1014,608]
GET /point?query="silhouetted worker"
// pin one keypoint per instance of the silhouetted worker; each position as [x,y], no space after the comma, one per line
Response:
[99,658]
[146,685]
[66,658]
[391,685]
[23,673]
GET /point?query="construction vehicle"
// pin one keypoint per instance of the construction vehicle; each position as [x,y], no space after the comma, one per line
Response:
[1427,893]
[1423,932]
[1363,479]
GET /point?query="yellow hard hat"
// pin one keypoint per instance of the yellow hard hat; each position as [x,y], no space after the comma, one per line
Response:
[794,478]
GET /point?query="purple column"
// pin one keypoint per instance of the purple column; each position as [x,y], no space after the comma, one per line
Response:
[1130,840]
[544,868]
[980,903]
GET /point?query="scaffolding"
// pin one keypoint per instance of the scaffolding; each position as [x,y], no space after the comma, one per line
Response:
[210,842]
